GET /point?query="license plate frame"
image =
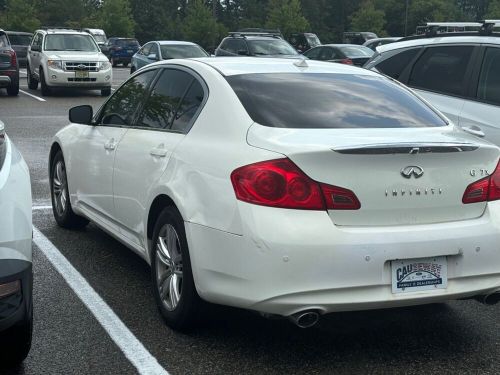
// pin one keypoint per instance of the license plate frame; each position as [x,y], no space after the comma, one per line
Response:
[81,74]
[419,274]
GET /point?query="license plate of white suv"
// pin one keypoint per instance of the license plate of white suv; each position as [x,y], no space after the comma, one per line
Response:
[81,74]
[415,275]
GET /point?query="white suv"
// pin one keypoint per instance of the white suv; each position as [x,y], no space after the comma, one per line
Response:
[67,58]
[456,72]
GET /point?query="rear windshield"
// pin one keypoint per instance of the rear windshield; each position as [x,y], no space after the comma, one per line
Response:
[127,43]
[19,40]
[328,100]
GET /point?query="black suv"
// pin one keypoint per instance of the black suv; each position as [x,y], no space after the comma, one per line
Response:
[259,44]
[9,67]
[20,42]
[304,41]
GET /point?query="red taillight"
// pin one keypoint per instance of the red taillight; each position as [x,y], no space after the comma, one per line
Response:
[280,183]
[486,189]
[13,58]
[346,61]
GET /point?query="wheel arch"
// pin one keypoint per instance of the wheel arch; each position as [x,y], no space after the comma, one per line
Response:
[158,204]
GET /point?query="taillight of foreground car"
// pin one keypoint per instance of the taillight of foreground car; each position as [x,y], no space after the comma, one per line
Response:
[280,183]
[485,189]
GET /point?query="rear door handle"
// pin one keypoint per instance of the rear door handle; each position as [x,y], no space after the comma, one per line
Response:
[159,151]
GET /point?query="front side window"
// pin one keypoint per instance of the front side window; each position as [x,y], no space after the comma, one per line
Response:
[154,50]
[145,50]
[328,100]
[160,108]
[122,106]
[395,65]
[328,53]
[70,42]
[442,69]
[489,82]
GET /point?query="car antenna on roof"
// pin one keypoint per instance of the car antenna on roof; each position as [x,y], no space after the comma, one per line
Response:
[302,63]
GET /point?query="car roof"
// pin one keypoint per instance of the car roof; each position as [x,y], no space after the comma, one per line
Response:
[254,37]
[173,42]
[448,39]
[229,66]
[340,45]
[62,31]
[18,32]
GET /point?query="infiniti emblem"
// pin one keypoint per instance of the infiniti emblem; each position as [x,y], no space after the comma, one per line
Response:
[412,170]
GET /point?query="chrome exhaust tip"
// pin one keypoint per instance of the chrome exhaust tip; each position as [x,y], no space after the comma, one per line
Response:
[305,319]
[491,299]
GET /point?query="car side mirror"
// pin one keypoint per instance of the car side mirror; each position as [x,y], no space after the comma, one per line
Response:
[152,56]
[35,48]
[81,114]
[243,52]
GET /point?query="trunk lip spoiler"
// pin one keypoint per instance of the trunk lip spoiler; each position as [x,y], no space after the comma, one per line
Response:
[407,148]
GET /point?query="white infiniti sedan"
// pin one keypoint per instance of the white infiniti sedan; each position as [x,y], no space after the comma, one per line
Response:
[287,187]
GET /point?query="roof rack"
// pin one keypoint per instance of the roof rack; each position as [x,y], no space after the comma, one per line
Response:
[441,29]
[60,28]
[275,33]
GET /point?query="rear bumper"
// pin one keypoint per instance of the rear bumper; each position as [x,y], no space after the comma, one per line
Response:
[15,306]
[5,80]
[287,261]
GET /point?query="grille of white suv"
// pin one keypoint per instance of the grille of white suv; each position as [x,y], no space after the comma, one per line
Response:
[72,66]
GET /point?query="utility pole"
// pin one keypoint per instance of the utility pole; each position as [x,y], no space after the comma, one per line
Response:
[214,8]
[406,17]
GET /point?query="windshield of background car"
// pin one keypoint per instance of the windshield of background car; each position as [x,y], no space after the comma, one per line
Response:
[127,43]
[328,100]
[313,40]
[271,47]
[172,51]
[360,51]
[70,42]
[20,40]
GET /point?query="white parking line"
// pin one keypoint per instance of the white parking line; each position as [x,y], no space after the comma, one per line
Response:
[41,208]
[33,96]
[131,347]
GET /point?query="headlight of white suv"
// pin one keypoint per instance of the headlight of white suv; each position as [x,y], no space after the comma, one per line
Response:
[55,64]
[104,65]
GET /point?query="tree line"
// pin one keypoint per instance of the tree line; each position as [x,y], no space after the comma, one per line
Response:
[206,22]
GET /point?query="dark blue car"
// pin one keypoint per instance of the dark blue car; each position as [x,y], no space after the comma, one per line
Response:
[121,50]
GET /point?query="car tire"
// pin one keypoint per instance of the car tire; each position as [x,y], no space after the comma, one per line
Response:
[106,92]
[113,62]
[32,82]
[173,284]
[43,85]
[13,88]
[17,340]
[59,192]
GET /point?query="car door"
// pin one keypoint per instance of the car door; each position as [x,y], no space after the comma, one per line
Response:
[144,152]
[441,75]
[484,109]
[94,153]
[34,56]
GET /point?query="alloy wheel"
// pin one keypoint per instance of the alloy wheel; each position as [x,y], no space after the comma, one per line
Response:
[60,188]
[169,267]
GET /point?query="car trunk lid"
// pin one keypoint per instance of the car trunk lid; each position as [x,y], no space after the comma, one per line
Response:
[400,176]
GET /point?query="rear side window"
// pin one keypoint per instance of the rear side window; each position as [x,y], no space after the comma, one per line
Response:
[160,108]
[327,100]
[4,42]
[442,69]
[489,82]
[394,65]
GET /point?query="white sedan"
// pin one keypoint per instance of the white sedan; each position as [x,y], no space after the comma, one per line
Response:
[16,277]
[289,187]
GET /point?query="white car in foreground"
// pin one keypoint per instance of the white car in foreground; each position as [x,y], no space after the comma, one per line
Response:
[16,277]
[288,187]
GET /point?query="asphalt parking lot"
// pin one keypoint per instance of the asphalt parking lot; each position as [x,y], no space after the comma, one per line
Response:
[456,337]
